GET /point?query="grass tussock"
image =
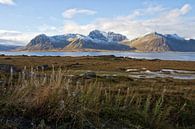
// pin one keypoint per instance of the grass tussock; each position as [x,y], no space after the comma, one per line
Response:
[38,100]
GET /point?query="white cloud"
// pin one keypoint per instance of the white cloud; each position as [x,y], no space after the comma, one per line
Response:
[150,10]
[185,9]
[71,13]
[50,29]
[12,35]
[179,12]
[7,2]
[156,18]
[24,37]
[127,27]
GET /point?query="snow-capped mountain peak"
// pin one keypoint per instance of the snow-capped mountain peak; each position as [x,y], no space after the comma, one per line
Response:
[106,36]
[98,35]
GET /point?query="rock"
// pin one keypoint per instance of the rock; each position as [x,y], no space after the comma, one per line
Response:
[89,75]
[108,56]
[1,82]
[7,68]
[44,67]
[75,65]
[109,77]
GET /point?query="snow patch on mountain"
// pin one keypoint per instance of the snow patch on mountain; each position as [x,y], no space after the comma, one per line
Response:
[111,37]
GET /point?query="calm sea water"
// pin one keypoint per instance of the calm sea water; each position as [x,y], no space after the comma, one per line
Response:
[180,56]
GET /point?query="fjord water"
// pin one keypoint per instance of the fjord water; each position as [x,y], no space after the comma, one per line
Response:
[179,56]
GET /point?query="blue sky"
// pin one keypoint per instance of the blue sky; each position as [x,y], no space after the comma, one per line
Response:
[21,20]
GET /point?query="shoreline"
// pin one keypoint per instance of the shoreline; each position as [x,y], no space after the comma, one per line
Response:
[164,56]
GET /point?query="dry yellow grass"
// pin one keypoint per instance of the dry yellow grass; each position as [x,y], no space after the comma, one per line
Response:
[57,101]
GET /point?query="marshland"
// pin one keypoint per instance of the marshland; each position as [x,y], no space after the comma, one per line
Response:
[94,92]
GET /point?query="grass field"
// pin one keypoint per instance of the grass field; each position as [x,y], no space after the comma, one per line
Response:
[33,98]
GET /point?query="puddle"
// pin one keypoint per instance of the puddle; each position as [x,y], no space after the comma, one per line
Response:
[172,71]
[163,73]
[132,70]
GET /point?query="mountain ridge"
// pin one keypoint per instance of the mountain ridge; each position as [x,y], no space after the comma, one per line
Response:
[99,40]
[95,40]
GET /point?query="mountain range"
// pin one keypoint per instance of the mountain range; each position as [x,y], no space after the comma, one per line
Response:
[95,40]
[7,45]
[99,40]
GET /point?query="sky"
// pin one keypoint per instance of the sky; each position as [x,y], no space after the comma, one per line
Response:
[21,20]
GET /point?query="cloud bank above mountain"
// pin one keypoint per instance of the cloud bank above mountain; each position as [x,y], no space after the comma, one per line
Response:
[141,21]
[153,17]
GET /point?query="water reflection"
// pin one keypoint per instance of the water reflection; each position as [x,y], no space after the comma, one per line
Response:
[164,73]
